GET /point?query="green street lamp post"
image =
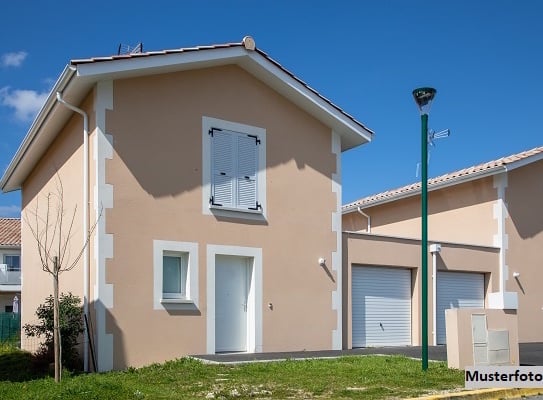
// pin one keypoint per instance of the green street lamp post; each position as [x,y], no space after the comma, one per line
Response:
[423,98]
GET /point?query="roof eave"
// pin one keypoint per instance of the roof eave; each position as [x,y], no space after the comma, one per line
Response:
[10,246]
[9,181]
[78,78]
[525,161]
[257,63]
[415,192]
[352,132]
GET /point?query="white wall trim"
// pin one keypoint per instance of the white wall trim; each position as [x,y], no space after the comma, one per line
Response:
[337,298]
[255,294]
[500,239]
[502,299]
[207,124]
[159,247]
[103,242]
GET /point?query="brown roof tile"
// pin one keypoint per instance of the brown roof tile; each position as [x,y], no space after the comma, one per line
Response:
[452,177]
[10,232]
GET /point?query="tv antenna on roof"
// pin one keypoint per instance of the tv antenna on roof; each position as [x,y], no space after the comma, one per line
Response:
[432,135]
[126,49]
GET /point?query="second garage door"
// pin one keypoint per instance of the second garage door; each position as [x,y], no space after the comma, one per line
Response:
[457,290]
[381,304]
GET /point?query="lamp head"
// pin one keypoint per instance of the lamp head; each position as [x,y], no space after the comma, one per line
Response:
[423,97]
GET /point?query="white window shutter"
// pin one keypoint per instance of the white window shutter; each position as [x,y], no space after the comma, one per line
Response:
[223,168]
[247,164]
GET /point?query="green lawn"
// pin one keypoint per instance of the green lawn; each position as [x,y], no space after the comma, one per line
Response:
[363,377]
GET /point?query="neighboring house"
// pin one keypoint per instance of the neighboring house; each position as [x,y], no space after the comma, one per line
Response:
[489,226]
[214,176]
[10,264]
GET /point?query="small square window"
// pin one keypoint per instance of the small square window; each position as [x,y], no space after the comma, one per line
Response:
[174,275]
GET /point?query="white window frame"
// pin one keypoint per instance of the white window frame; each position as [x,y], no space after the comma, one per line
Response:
[183,275]
[208,123]
[184,249]
[12,255]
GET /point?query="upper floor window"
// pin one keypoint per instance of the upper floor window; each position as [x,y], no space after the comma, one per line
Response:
[13,262]
[234,169]
[234,159]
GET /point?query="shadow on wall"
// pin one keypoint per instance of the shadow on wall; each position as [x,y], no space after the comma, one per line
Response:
[156,125]
[57,156]
[118,352]
[121,352]
[524,197]
[452,198]
[491,273]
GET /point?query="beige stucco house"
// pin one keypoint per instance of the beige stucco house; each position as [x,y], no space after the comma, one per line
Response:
[486,234]
[10,264]
[199,166]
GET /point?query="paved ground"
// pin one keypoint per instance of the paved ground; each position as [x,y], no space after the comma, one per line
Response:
[530,354]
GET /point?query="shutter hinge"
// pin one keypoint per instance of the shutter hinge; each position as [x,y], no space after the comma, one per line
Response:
[258,206]
[257,140]
[212,130]
[212,201]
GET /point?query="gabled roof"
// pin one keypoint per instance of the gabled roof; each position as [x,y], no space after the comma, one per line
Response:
[453,178]
[81,75]
[10,232]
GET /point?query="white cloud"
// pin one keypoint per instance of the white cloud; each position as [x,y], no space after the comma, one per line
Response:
[26,103]
[10,211]
[13,59]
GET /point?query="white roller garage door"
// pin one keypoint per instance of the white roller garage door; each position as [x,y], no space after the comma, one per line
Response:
[457,290]
[381,303]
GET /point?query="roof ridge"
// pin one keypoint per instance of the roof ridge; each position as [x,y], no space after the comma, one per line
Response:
[451,176]
[154,52]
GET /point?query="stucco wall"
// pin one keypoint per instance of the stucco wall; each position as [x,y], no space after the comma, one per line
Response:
[524,228]
[156,125]
[60,167]
[461,213]
[378,250]
[470,213]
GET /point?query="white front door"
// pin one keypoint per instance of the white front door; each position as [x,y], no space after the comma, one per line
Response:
[231,296]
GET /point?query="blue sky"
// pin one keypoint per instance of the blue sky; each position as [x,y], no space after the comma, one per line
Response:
[485,58]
